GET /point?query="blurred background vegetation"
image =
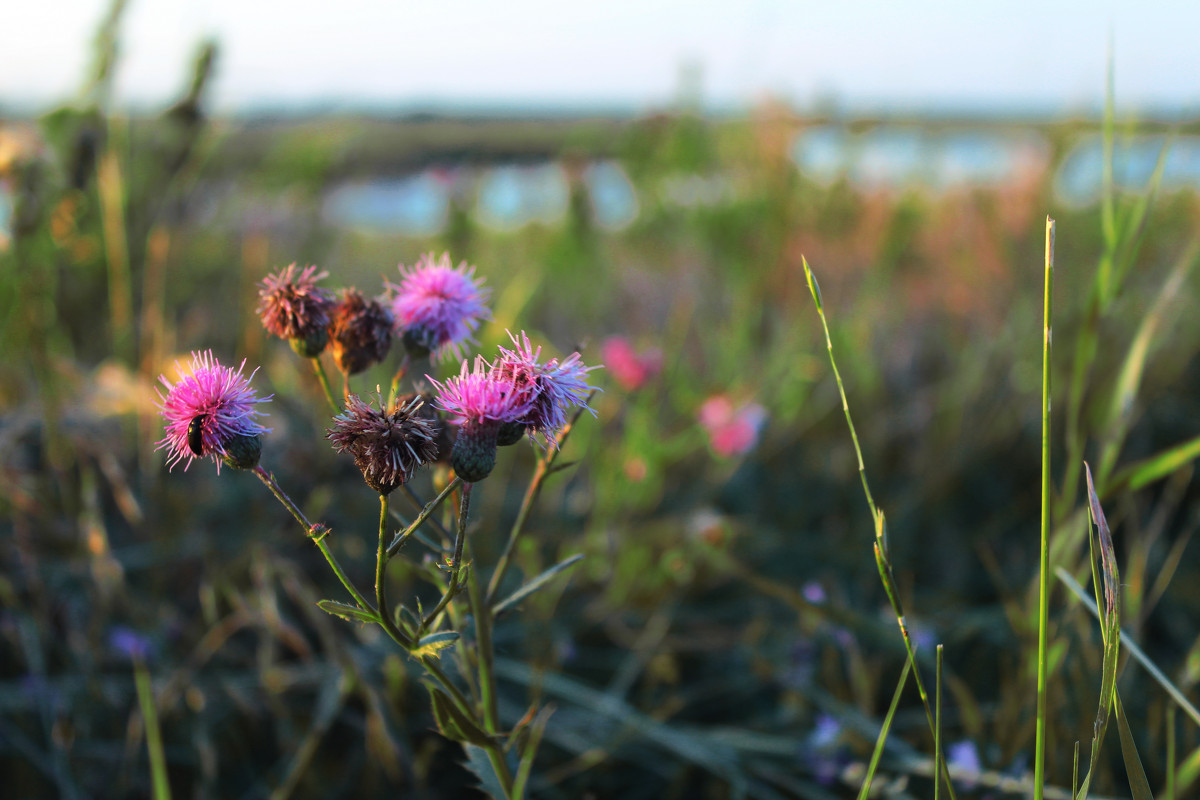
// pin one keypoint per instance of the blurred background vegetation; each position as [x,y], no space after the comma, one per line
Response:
[726,633]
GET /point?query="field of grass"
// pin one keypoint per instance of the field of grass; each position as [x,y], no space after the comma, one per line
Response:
[726,633]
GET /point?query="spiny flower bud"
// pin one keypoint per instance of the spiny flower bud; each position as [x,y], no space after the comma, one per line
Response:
[387,446]
[361,332]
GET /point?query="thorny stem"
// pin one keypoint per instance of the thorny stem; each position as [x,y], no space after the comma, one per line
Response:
[385,615]
[319,368]
[317,537]
[420,507]
[535,485]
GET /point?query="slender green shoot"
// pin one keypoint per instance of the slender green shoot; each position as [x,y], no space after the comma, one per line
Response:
[865,791]
[1039,763]
[154,744]
[937,725]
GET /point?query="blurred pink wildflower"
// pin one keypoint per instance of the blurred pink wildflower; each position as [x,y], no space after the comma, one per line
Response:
[292,306]
[438,306]
[221,399]
[552,389]
[628,367]
[731,431]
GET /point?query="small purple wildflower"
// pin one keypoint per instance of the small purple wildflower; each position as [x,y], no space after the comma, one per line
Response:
[963,760]
[129,644]
[387,447]
[361,332]
[292,306]
[437,306]
[479,402]
[553,388]
[213,408]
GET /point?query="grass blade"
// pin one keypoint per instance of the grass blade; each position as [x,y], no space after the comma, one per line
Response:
[1110,627]
[1039,763]
[865,791]
[1133,763]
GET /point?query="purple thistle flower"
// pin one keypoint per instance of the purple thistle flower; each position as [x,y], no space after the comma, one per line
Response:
[479,402]
[437,306]
[553,388]
[292,306]
[361,332]
[387,447]
[211,412]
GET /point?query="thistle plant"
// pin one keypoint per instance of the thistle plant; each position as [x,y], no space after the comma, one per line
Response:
[210,412]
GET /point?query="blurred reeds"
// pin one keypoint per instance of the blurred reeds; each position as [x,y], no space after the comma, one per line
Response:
[726,632]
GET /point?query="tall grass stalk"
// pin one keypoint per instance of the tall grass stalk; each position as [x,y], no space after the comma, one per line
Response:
[882,559]
[154,744]
[1039,763]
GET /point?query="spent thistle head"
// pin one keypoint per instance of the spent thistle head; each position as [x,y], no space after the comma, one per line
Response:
[292,306]
[387,446]
[360,333]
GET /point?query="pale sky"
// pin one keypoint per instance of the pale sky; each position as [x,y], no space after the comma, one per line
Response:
[930,54]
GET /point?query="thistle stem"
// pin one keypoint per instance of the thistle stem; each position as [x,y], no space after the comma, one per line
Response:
[323,379]
[385,615]
[317,537]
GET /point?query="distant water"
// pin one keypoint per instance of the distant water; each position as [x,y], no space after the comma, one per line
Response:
[1080,177]
[505,198]
[899,156]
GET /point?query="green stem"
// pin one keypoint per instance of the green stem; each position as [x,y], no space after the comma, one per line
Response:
[316,533]
[483,633]
[1039,764]
[319,368]
[535,485]
[429,508]
[385,615]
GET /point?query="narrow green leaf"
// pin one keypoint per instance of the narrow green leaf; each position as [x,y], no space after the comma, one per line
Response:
[1155,467]
[1133,763]
[434,644]
[347,612]
[535,584]
[813,286]
[883,734]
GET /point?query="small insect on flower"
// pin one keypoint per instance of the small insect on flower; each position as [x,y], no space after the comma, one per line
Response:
[210,412]
[195,434]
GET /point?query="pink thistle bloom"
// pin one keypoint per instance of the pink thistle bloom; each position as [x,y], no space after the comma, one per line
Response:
[480,402]
[731,431]
[481,396]
[210,412]
[438,306]
[292,306]
[553,388]
[628,367]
